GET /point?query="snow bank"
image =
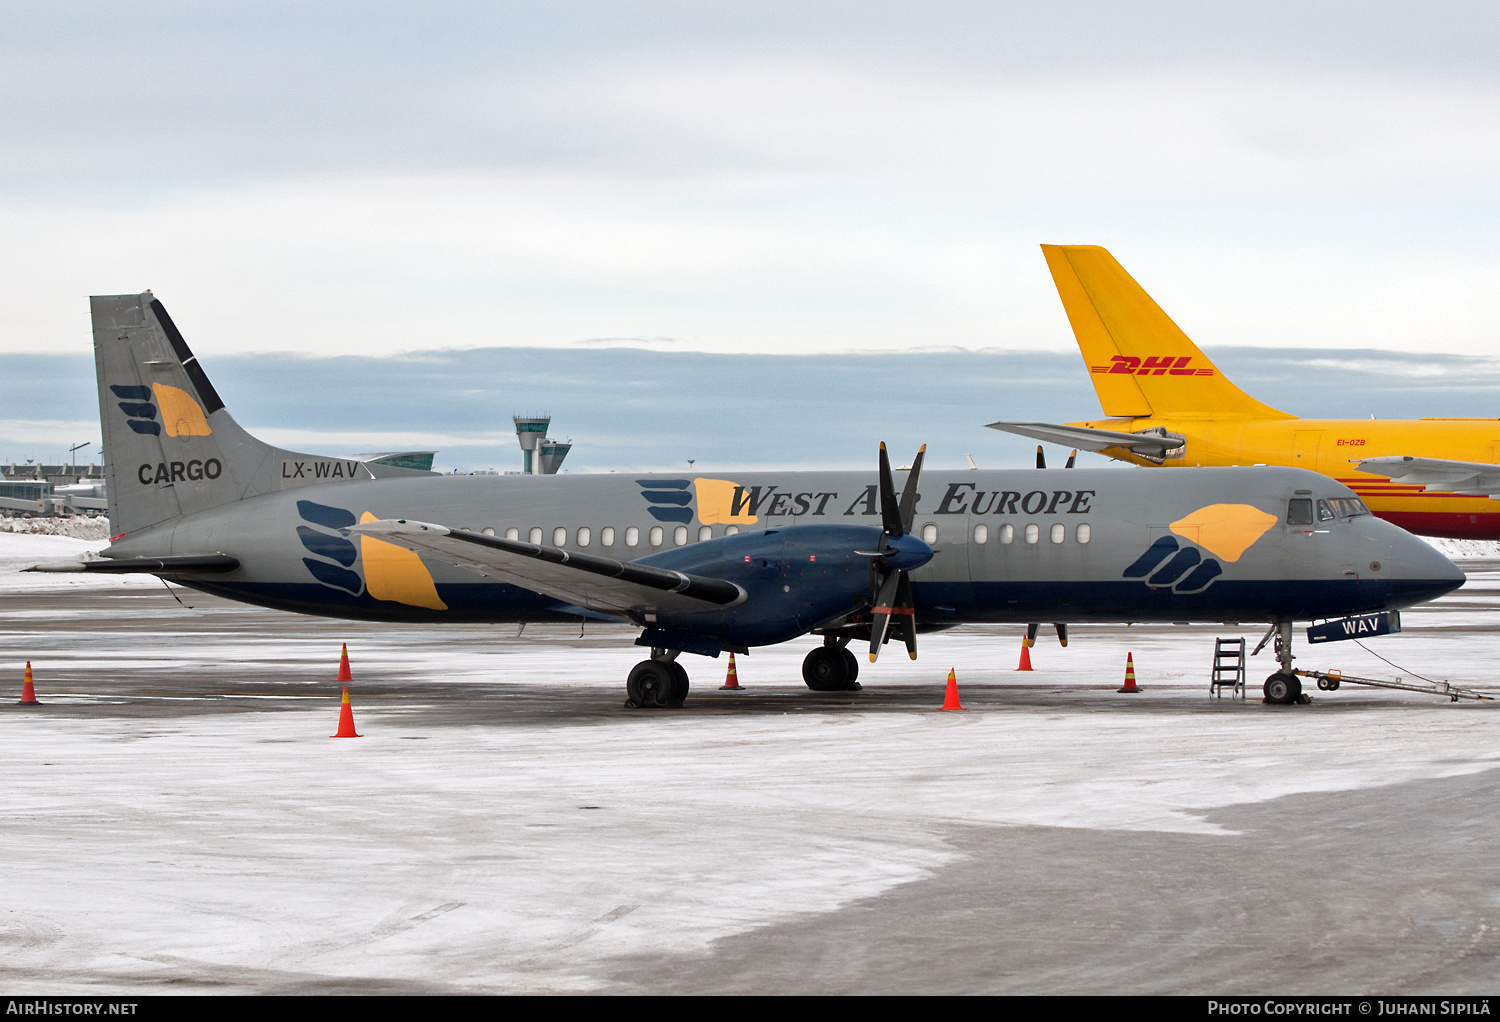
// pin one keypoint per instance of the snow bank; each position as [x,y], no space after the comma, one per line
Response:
[77,528]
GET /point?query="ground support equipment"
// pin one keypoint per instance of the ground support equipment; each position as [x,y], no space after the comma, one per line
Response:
[1329,681]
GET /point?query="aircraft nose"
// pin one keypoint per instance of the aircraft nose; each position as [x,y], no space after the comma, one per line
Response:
[1419,572]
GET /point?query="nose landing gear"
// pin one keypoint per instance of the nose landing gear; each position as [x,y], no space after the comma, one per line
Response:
[1282,688]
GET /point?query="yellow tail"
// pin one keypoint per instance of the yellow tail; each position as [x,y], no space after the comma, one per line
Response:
[1140,362]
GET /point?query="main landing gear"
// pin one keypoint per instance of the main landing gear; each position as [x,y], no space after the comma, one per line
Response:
[1282,688]
[658,682]
[831,668]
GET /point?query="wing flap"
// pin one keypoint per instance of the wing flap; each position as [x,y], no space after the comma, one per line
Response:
[587,580]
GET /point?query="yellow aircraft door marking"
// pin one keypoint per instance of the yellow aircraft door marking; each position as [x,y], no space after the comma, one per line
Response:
[1225,530]
[396,574]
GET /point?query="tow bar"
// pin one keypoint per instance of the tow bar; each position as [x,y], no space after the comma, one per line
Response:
[1329,681]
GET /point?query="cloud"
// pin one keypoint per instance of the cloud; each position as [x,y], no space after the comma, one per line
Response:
[776,178]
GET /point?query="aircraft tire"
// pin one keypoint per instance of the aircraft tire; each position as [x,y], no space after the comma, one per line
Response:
[650,684]
[852,682]
[825,669]
[679,684]
[1282,688]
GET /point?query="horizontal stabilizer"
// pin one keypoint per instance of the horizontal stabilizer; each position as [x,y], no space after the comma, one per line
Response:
[185,564]
[587,580]
[1437,475]
[1091,439]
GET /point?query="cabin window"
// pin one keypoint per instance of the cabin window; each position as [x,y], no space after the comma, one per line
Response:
[512,533]
[1033,533]
[487,531]
[1325,511]
[679,535]
[632,536]
[1007,533]
[1059,532]
[655,535]
[981,534]
[929,533]
[585,536]
[731,530]
[1084,533]
[1299,511]
[705,533]
[607,536]
[535,536]
[559,537]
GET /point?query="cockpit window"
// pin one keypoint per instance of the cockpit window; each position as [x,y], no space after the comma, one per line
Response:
[1299,511]
[1352,507]
[1325,511]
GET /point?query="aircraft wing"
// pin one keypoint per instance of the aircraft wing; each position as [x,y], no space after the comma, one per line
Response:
[1090,439]
[587,580]
[1477,478]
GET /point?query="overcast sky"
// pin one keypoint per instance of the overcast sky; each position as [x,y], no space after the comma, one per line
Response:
[760,177]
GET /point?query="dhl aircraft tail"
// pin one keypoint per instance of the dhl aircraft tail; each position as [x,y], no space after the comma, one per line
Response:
[1140,362]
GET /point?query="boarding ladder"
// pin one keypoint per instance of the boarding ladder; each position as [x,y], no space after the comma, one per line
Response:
[1229,668]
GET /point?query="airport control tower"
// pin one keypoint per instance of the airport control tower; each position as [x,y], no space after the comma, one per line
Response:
[539,455]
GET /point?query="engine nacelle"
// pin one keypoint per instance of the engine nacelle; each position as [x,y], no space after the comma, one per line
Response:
[795,578]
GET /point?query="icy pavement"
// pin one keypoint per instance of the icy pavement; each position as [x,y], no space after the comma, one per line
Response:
[177,817]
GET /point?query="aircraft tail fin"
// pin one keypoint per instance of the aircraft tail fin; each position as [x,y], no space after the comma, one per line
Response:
[170,447]
[1140,362]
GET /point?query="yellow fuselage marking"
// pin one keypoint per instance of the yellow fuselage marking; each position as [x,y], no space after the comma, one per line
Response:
[396,574]
[1225,530]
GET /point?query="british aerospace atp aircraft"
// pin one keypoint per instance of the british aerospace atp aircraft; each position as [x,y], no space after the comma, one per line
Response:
[721,562]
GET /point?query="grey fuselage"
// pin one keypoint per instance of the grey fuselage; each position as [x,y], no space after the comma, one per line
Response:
[1010,546]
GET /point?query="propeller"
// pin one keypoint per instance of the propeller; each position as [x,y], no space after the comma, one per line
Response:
[899,553]
[1041,459]
[1072,457]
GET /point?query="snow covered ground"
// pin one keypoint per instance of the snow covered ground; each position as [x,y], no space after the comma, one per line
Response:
[176,816]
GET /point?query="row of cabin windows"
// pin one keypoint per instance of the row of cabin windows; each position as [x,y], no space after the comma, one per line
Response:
[656,535]
[584,536]
[1006,534]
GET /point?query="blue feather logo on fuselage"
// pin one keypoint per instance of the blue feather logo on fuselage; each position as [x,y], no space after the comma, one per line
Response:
[334,554]
[1168,563]
[668,499]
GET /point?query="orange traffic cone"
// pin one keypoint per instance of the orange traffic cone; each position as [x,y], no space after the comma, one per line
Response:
[1130,685]
[732,679]
[950,700]
[1025,664]
[346,712]
[346,719]
[28,692]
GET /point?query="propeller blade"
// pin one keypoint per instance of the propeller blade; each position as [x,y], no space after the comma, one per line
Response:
[907,610]
[1041,459]
[890,511]
[880,614]
[909,491]
[1072,458]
